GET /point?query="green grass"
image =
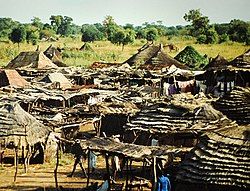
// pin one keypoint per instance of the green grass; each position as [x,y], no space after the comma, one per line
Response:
[106,52]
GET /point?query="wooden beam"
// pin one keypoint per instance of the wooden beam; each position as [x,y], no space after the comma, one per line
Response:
[107,168]
[57,163]
[88,151]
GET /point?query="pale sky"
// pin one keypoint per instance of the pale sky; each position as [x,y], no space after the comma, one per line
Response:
[136,12]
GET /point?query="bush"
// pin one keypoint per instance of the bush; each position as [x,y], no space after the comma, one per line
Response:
[223,38]
[212,36]
[201,39]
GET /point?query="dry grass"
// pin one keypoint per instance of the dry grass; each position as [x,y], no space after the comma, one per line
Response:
[107,52]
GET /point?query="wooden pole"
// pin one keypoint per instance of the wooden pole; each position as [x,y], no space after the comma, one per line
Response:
[126,187]
[155,176]
[107,167]
[88,150]
[57,163]
[16,163]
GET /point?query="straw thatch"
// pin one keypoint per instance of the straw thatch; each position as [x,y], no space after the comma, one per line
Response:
[152,57]
[138,152]
[219,62]
[31,59]
[54,55]
[242,61]
[57,78]
[221,158]
[235,105]
[11,78]
[177,116]
[18,125]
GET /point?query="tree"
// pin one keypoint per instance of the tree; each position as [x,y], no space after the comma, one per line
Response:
[6,26]
[56,21]
[110,27]
[65,28]
[199,23]
[47,34]
[239,30]
[212,36]
[123,37]
[151,34]
[32,34]
[18,35]
[37,23]
[90,33]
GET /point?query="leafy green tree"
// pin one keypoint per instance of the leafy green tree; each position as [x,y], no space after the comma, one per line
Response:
[56,21]
[6,26]
[47,34]
[32,34]
[129,26]
[65,28]
[90,33]
[222,28]
[123,37]
[201,39]
[18,35]
[110,27]
[199,23]
[151,34]
[37,23]
[223,38]
[239,30]
[212,36]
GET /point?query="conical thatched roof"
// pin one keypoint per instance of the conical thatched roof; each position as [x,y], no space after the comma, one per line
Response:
[54,55]
[242,61]
[35,59]
[177,116]
[86,47]
[217,63]
[235,105]
[16,124]
[190,57]
[220,158]
[11,78]
[57,78]
[152,57]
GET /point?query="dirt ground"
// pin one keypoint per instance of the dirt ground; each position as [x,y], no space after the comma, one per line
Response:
[41,176]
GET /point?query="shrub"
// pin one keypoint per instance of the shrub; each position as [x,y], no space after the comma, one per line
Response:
[201,39]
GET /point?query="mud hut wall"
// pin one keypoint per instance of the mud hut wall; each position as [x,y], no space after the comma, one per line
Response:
[112,124]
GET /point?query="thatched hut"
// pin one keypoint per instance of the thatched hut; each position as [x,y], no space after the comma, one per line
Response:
[219,162]
[113,115]
[20,130]
[54,54]
[176,123]
[32,59]
[222,78]
[235,105]
[57,79]
[152,57]
[11,78]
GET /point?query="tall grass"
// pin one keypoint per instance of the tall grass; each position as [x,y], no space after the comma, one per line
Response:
[105,51]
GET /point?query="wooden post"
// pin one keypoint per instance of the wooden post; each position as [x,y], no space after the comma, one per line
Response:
[126,187]
[57,163]
[107,167]
[88,150]
[16,163]
[155,176]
